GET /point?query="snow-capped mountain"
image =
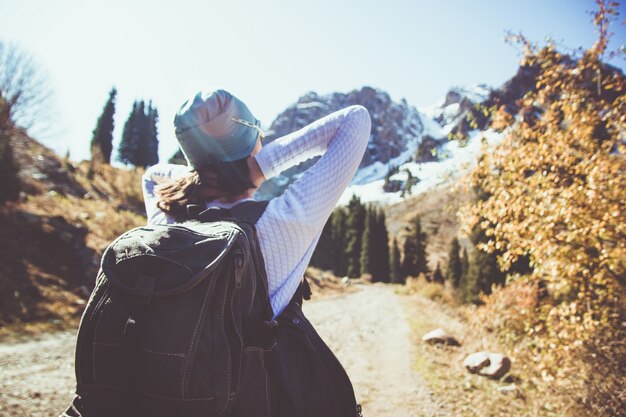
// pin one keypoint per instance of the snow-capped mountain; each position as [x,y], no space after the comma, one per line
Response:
[396,132]
[403,140]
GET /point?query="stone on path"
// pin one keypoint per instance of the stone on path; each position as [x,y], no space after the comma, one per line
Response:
[440,337]
[493,365]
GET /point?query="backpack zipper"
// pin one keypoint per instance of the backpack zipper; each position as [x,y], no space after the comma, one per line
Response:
[239,261]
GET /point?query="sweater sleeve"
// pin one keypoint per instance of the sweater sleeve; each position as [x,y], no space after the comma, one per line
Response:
[292,223]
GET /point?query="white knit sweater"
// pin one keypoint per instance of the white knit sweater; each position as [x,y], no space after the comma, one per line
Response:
[291,225]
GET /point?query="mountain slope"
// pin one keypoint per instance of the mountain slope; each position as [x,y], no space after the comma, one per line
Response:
[52,238]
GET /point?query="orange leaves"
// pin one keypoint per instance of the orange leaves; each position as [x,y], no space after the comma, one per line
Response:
[555,190]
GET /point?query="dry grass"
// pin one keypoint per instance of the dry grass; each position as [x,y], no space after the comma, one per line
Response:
[431,290]
[442,366]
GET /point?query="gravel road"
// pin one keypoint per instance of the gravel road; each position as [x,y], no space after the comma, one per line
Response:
[367,329]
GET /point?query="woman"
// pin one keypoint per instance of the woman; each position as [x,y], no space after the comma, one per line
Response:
[222,143]
[220,127]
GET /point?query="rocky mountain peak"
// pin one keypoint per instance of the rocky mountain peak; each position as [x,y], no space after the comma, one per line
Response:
[394,124]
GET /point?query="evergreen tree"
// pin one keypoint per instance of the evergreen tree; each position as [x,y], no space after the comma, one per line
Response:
[396,271]
[129,145]
[339,226]
[367,259]
[139,145]
[464,267]
[324,254]
[408,255]
[355,223]
[151,143]
[9,181]
[455,269]
[421,238]
[437,275]
[380,253]
[483,270]
[102,138]
[415,261]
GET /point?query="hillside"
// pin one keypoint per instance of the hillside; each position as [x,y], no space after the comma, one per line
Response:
[437,209]
[53,237]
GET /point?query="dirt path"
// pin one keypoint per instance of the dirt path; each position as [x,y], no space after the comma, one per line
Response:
[37,377]
[367,330]
[369,333]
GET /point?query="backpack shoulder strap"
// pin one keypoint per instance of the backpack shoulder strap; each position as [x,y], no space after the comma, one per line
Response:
[249,211]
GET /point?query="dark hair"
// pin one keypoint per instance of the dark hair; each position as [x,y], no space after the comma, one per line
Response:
[232,178]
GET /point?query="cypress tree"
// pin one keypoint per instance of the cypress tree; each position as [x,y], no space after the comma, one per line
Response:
[420,253]
[9,180]
[151,137]
[129,145]
[140,145]
[380,254]
[464,268]
[455,268]
[324,254]
[367,261]
[102,137]
[354,230]
[339,225]
[415,261]
[437,275]
[396,271]
[483,270]
[408,259]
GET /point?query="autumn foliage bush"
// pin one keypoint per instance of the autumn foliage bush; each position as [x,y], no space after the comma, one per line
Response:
[555,192]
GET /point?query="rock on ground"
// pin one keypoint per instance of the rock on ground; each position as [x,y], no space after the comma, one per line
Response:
[440,337]
[493,365]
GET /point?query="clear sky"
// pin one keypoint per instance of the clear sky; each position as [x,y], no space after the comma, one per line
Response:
[270,52]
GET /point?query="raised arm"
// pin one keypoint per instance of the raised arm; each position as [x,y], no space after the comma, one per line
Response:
[292,223]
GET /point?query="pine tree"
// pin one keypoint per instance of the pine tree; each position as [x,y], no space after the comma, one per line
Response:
[396,271]
[151,137]
[437,275]
[414,261]
[324,254]
[454,270]
[339,226]
[9,180]
[464,267]
[380,253]
[409,267]
[483,270]
[129,145]
[139,145]
[367,257]
[420,254]
[354,230]
[102,138]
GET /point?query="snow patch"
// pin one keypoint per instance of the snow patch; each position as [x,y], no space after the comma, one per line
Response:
[459,161]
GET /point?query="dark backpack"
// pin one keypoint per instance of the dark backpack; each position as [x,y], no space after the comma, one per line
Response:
[179,324]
